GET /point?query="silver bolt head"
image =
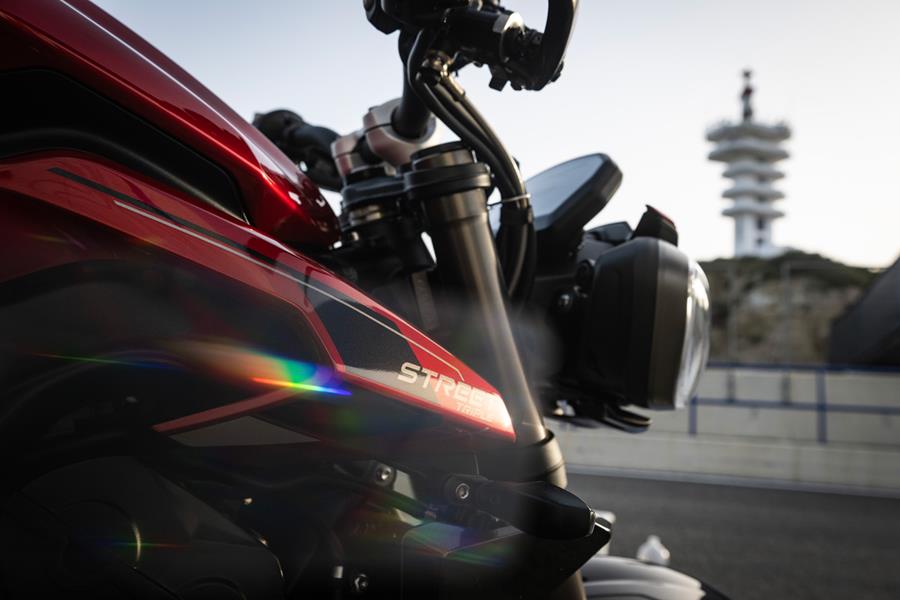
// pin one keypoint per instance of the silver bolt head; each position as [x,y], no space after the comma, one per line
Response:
[383,473]
[565,302]
[463,491]
[360,583]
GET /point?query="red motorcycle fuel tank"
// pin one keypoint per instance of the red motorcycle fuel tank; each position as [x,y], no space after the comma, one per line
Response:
[127,282]
[79,40]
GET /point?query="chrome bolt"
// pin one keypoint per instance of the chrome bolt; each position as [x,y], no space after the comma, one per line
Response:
[463,491]
[383,473]
[360,583]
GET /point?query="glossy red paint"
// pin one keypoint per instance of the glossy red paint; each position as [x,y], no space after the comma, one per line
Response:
[79,39]
[129,206]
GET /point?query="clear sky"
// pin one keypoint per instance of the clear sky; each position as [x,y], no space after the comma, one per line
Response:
[643,81]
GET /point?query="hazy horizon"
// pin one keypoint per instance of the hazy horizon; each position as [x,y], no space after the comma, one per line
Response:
[643,81]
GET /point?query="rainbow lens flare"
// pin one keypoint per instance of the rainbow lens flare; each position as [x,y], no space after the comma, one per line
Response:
[298,385]
[248,364]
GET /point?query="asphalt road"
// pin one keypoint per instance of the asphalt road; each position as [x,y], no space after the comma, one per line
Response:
[758,543]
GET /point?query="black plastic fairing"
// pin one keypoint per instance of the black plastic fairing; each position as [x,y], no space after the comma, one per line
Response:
[52,111]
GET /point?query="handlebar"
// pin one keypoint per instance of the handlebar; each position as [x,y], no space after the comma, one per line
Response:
[486,33]
[410,118]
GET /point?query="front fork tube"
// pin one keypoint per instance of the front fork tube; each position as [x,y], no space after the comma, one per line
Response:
[451,186]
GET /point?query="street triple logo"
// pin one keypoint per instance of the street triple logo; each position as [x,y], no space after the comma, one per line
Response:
[468,400]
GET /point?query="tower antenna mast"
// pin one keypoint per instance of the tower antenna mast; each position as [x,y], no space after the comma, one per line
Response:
[750,150]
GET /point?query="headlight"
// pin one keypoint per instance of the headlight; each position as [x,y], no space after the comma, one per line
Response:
[630,310]
[639,333]
[695,350]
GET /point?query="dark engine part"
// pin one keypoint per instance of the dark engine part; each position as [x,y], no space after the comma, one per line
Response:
[446,561]
[111,528]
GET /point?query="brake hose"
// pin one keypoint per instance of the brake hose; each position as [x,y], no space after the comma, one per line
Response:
[429,96]
[512,249]
[515,241]
[509,165]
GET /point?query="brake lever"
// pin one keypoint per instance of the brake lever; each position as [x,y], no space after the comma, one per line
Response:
[555,40]
[534,59]
[487,33]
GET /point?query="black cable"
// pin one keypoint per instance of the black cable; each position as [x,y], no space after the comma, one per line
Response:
[193,466]
[512,238]
[515,241]
[429,97]
[482,149]
[465,127]
[530,265]
[490,135]
[511,248]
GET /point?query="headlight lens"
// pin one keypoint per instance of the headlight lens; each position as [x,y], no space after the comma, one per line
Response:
[695,349]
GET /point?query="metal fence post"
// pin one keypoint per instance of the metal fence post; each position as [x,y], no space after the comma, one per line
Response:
[821,408]
[692,417]
[730,385]
[786,316]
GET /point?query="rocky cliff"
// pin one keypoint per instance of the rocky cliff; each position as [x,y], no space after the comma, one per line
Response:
[780,309]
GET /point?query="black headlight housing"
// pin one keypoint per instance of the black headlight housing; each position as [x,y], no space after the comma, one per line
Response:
[637,323]
[629,309]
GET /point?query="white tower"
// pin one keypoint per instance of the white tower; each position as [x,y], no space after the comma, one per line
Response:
[750,149]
